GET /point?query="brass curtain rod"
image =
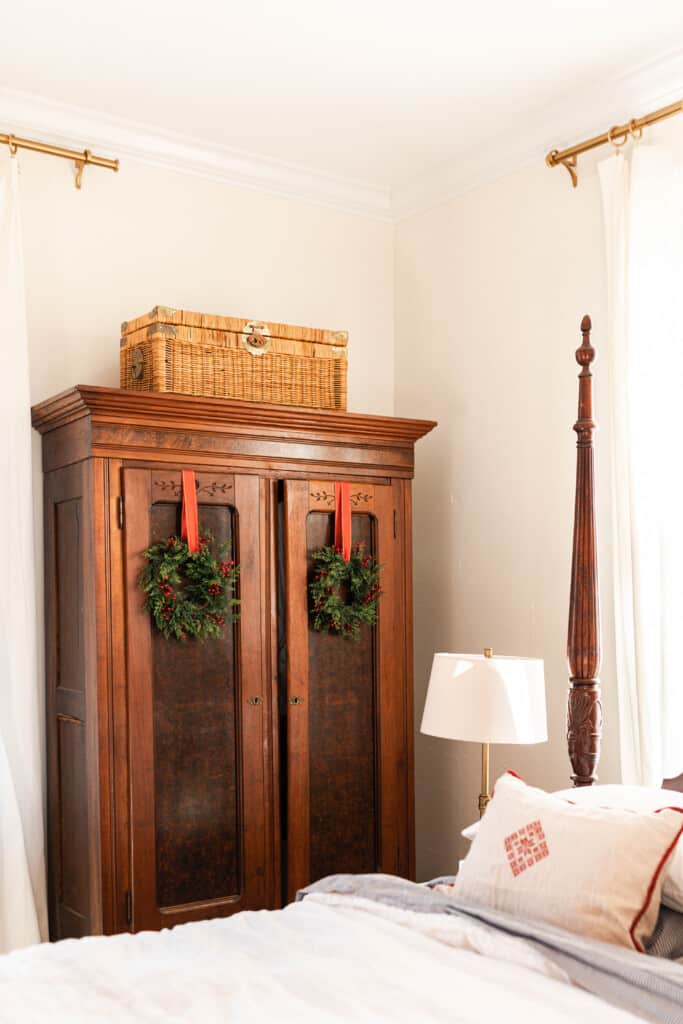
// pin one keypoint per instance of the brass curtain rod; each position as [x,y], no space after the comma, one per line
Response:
[80,158]
[617,135]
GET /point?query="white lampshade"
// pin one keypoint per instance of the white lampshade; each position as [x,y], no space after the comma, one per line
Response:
[486,700]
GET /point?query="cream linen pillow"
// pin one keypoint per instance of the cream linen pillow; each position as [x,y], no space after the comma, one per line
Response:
[629,798]
[639,798]
[592,870]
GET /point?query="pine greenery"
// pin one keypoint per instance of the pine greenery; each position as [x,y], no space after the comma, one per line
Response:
[190,595]
[344,595]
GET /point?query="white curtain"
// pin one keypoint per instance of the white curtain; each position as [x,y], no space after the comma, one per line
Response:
[22,859]
[643,213]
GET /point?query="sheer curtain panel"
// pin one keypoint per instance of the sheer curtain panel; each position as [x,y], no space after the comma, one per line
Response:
[643,213]
[23,916]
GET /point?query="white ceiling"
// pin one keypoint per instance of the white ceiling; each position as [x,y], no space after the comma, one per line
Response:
[383,92]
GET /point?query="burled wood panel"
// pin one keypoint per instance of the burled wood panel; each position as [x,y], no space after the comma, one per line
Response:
[342,742]
[196,783]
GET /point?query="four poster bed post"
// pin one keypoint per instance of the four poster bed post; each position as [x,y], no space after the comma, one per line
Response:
[584,713]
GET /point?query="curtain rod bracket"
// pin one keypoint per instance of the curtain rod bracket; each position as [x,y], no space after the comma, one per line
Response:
[554,158]
[80,164]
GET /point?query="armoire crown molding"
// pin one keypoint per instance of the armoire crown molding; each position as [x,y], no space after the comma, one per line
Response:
[106,404]
[334,443]
[522,143]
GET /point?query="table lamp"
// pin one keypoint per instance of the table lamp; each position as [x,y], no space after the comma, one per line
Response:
[486,700]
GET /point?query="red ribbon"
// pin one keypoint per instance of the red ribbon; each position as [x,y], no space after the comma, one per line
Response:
[342,519]
[189,516]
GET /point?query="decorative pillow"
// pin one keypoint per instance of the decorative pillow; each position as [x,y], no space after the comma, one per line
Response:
[629,798]
[639,798]
[592,870]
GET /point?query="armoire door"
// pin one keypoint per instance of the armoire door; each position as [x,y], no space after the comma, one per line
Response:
[349,723]
[199,717]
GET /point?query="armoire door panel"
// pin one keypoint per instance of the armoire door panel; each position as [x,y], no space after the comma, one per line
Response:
[196,774]
[347,786]
[341,726]
[198,751]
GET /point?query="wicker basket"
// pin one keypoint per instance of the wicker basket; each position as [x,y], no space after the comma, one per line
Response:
[226,357]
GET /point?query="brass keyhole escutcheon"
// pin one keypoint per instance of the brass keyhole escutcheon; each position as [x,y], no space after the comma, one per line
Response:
[256,338]
[296,700]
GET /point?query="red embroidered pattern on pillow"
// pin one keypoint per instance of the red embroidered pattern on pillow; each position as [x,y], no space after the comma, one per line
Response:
[526,847]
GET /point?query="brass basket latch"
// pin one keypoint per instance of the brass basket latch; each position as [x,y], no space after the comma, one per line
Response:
[256,338]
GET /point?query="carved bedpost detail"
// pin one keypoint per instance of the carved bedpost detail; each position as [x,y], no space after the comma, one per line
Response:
[584,714]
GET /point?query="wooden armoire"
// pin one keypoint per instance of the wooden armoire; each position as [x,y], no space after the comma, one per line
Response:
[189,780]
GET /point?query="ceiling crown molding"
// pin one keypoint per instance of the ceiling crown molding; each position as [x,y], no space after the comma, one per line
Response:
[551,126]
[547,127]
[64,125]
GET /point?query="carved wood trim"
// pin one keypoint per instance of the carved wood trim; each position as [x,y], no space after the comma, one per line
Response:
[166,486]
[584,713]
[362,500]
[321,497]
[212,488]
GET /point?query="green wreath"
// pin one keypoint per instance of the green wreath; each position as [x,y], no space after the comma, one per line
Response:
[190,595]
[344,595]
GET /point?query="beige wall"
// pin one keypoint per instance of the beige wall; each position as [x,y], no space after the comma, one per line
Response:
[148,236]
[490,290]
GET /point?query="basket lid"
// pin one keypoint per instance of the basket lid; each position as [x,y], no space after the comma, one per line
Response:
[240,325]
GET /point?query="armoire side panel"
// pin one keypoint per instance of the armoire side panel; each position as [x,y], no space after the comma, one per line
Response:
[73,875]
[74,896]
[68,533]
[342,741]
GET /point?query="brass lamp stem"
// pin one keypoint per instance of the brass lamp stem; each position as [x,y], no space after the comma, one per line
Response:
[485,796]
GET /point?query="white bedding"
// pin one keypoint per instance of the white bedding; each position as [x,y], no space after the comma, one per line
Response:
[330,958]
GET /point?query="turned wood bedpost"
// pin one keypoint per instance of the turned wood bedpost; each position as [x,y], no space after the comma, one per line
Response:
[584,713]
